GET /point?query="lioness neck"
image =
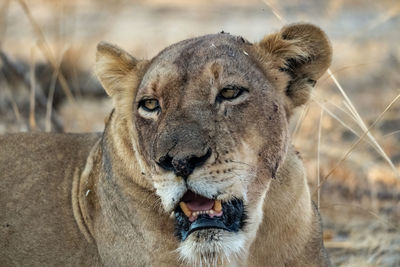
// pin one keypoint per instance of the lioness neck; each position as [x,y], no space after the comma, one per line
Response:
[290,232]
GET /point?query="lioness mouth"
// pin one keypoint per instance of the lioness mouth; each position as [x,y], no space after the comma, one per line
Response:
[196,212]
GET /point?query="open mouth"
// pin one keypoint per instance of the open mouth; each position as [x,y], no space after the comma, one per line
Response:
[196,212]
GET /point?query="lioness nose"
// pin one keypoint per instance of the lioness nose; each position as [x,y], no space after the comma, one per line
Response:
[183,166]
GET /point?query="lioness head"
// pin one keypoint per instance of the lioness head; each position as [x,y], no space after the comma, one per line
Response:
[207,120]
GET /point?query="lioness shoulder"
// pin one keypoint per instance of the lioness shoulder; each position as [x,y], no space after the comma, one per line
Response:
[195,165]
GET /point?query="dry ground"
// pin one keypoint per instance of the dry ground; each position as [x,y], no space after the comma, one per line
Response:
[360,184]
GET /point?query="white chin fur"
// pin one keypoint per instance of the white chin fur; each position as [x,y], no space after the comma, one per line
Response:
[225,249]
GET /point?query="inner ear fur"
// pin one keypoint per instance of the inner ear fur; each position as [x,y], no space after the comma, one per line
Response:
[300,51]
[118,71]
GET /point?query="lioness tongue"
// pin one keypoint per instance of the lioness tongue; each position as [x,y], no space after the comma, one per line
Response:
[193,205]
[200,204]
[197,202]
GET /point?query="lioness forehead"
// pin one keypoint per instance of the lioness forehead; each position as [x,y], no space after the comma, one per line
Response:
[201,49]
[192,55]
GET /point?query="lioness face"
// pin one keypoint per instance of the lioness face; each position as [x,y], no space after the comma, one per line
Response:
[207,119]
[214,131]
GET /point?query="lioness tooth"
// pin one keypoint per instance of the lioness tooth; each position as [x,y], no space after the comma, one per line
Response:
[217,205]
[211,212]
[185,209]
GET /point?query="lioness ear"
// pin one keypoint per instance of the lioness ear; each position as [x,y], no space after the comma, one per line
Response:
[303,52]
[112,68]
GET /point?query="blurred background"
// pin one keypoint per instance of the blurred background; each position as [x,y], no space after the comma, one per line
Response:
[348,135]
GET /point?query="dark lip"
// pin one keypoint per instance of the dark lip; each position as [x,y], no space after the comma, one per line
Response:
[204,222]
[232,220]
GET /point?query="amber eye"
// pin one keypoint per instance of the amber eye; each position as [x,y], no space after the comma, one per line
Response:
[149,105]
[230,92]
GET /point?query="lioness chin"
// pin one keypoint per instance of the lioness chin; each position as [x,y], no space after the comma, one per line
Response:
[194,166]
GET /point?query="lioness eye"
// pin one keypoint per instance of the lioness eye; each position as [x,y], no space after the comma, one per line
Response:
[230,92]
[149,105]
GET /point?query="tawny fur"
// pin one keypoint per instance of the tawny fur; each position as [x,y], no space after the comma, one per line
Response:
[101,200]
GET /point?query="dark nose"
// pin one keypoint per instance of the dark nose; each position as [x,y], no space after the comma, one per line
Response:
[183,166]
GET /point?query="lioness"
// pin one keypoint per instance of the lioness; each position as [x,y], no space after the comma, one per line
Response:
[194,166]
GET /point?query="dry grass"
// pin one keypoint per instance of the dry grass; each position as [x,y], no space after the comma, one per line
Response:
[349,132]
